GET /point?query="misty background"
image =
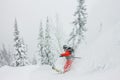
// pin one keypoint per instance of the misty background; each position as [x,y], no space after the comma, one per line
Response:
[29,13]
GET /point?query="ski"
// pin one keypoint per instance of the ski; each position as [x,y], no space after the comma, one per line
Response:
[57,70]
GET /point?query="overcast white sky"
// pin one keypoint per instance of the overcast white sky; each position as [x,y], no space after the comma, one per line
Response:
[30,12]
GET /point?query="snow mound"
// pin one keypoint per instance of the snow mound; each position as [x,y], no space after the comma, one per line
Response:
[15,73]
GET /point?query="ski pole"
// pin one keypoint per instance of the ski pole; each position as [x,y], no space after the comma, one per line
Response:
[76,57]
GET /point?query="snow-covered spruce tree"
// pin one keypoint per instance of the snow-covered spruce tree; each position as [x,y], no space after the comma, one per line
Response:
[41,53]
[5,57]
[20,56]
[79,25]
[47,48]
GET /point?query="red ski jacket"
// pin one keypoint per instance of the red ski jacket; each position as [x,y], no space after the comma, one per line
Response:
[66,54]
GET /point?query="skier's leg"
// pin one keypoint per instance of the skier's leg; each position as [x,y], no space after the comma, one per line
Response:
[67,65]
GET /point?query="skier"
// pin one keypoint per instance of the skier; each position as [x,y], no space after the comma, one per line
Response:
[68,54]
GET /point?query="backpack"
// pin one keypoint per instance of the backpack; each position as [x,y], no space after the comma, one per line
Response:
[70,49]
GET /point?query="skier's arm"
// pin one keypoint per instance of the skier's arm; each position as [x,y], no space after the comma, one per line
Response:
[67,53]
[61,55]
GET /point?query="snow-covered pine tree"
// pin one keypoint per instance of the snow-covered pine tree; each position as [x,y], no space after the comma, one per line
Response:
[20,56]
[72,42]
[24,56]
[79,25]
[5,57]
[48,49]
[41,53]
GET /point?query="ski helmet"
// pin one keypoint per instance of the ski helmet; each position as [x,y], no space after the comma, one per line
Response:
[64,46]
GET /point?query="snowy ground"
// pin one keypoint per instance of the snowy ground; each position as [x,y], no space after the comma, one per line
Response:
[45,73]
[100,61]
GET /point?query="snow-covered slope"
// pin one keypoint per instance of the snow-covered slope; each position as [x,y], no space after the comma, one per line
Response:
[104,53]
[45,73]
